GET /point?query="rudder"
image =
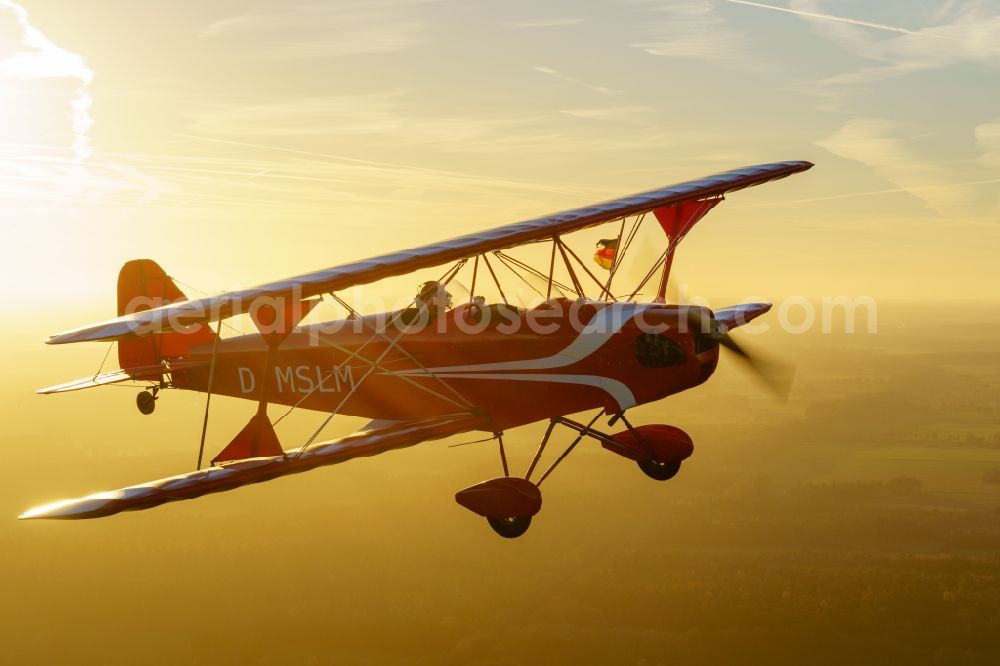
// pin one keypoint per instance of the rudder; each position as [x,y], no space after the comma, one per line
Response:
[143,285]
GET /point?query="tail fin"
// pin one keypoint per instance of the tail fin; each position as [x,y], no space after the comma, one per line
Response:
[143,285]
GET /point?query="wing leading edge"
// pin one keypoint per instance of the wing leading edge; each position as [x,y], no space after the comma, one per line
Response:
[170,317]
[228,476]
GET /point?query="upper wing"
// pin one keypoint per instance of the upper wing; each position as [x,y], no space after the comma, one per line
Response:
[171,317]
[227,476]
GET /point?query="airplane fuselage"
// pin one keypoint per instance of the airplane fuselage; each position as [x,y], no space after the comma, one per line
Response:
[516,366]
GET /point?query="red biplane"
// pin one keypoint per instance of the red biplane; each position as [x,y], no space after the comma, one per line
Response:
[431,370]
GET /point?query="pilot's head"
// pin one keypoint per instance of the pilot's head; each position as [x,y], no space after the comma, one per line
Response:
[434,295]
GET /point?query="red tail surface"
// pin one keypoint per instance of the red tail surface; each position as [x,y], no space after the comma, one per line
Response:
[143,285]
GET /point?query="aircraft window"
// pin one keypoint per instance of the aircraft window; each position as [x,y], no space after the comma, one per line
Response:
[658,351]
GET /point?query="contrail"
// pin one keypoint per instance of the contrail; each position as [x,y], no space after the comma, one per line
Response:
[390,165]
[829,17]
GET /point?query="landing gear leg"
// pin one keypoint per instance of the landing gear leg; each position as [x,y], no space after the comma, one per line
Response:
[652,468]
[509,502]
[146,401]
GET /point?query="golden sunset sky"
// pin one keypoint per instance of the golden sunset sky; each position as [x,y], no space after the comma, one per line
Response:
[236,142]
[240,141]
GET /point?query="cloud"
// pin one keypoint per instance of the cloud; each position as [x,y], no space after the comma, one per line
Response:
[603,90]
[988,142]
[370,118]
[46,158]
[631,115]
[878,144]
[960,33]
[868,193]
[385,130]
[324,30]
[278,169]
[383,120]
[693,29]
[546,23]
[42,86]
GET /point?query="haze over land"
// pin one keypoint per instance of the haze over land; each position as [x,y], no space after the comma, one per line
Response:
[857,522]
[236,142]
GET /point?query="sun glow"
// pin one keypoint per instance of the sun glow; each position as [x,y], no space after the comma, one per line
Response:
[39,77]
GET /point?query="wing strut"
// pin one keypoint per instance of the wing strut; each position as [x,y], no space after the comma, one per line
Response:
[465,403]
[600,285]
[275,322]
[621,255]
[393,344]
[374,364]
[486,260]
[677,221]
[569,267]
[208,398]
[584,431]
[167,318]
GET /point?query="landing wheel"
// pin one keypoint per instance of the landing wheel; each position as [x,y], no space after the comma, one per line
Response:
[660,471]
[512,527]
[146,402]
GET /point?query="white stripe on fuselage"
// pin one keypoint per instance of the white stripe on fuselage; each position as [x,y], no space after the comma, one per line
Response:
[605,324]
[616,389]
[595,334]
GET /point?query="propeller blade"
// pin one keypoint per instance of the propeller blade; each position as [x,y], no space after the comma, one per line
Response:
[731,345]
[775,375]
[699,320]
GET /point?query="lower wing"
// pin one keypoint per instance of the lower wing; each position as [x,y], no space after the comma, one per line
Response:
[227,476]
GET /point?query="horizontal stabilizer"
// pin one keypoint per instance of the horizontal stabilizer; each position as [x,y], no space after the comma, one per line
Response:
[102,379]
[144,373]
[227,476]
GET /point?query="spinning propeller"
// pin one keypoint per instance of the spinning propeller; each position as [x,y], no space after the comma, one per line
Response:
[775,375]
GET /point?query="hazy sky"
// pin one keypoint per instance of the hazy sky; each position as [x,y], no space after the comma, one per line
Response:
[236,142]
